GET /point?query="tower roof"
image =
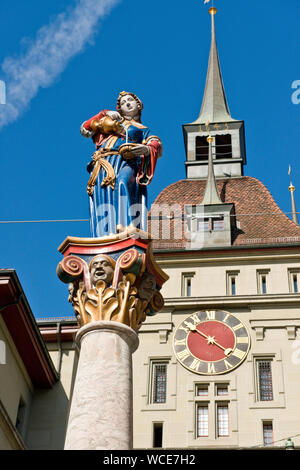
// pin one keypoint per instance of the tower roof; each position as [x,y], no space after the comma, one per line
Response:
[214,105]
[259,219]
[211,195]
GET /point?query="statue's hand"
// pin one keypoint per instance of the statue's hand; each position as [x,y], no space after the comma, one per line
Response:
[114,115]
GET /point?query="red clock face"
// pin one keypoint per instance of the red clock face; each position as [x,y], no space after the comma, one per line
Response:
[210,340]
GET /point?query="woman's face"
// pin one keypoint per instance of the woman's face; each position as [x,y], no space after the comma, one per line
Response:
[129,106]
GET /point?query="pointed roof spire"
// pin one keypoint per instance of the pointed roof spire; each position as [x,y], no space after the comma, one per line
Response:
[211,195]
[294,210]
[214,105]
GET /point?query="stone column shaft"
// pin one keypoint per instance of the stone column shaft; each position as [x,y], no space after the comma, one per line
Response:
[101,409]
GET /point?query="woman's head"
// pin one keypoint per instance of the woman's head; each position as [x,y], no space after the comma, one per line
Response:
[129,105]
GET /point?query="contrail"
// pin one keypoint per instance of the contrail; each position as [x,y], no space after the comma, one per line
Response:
[49,54]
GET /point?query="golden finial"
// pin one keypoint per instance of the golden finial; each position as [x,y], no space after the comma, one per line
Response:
[212,11]
[291,187]
[209,139]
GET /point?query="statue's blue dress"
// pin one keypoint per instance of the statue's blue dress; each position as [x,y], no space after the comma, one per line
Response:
[126,204]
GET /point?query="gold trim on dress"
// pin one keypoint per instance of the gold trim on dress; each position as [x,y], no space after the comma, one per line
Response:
[100,162]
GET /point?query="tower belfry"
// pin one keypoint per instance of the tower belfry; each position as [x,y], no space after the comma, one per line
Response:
[228,134]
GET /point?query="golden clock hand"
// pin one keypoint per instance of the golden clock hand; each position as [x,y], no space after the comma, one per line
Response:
[211,340]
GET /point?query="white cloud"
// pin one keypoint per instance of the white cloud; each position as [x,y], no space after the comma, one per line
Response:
[49,54]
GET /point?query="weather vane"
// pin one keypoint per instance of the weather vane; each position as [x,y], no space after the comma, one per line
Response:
[212,9]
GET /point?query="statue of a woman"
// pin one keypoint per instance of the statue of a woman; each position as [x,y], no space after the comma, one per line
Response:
[122,166]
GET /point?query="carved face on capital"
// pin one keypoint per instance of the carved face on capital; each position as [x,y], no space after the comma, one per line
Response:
[147,287]
[101,269]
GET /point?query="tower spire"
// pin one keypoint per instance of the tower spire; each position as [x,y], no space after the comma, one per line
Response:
[294,210]
[214,105]
[211,195]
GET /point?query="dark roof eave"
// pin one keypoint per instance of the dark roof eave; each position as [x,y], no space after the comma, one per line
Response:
[19,301]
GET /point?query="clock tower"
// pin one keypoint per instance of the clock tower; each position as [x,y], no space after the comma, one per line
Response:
[228,134]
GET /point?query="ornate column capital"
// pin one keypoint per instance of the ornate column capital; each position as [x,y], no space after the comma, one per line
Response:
[114,282]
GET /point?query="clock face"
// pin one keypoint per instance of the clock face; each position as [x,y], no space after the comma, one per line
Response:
[211,342]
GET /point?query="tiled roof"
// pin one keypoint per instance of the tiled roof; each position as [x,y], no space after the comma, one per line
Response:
[260,220]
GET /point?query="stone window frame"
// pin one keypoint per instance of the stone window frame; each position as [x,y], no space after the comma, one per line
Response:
[279,399]
[262,274]
[212,400]
[185,279]
[267,422]
[260,358]
[155,361]
[152,391]
[218,404]
[291,273]
[230,275]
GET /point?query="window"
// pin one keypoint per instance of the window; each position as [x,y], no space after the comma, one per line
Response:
[268,433]
[264,379]
[217,224]
[20,415]
[232,282]
[223,146]
[159,382]
[186,284]
[261,275]
[294,280]
[233,285]
[202,390]
[203,225]
[221,390]
[202,420]
[295,283]
[202,147]
[212,407]
[263,285]
[210,224]
[157,434]
[222,420]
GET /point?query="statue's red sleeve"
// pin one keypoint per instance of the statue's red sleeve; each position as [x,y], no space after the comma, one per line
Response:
[148,164]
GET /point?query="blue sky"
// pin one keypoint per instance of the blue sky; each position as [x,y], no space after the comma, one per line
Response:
[159,50]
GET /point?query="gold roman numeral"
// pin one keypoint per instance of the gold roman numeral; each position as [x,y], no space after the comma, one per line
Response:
[211,368]
[195,365]
[238,353]
[238,326]
[195,319]
[242,339]
[225,319]
[180,342]
[182,355]
[227,364]
[210,314]
[185,328]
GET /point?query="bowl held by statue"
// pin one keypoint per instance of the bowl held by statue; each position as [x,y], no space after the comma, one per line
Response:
[125,150]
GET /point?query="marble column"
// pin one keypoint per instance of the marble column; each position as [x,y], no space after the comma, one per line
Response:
[101,409]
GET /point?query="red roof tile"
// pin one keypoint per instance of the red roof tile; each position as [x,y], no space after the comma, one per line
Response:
[261,221]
